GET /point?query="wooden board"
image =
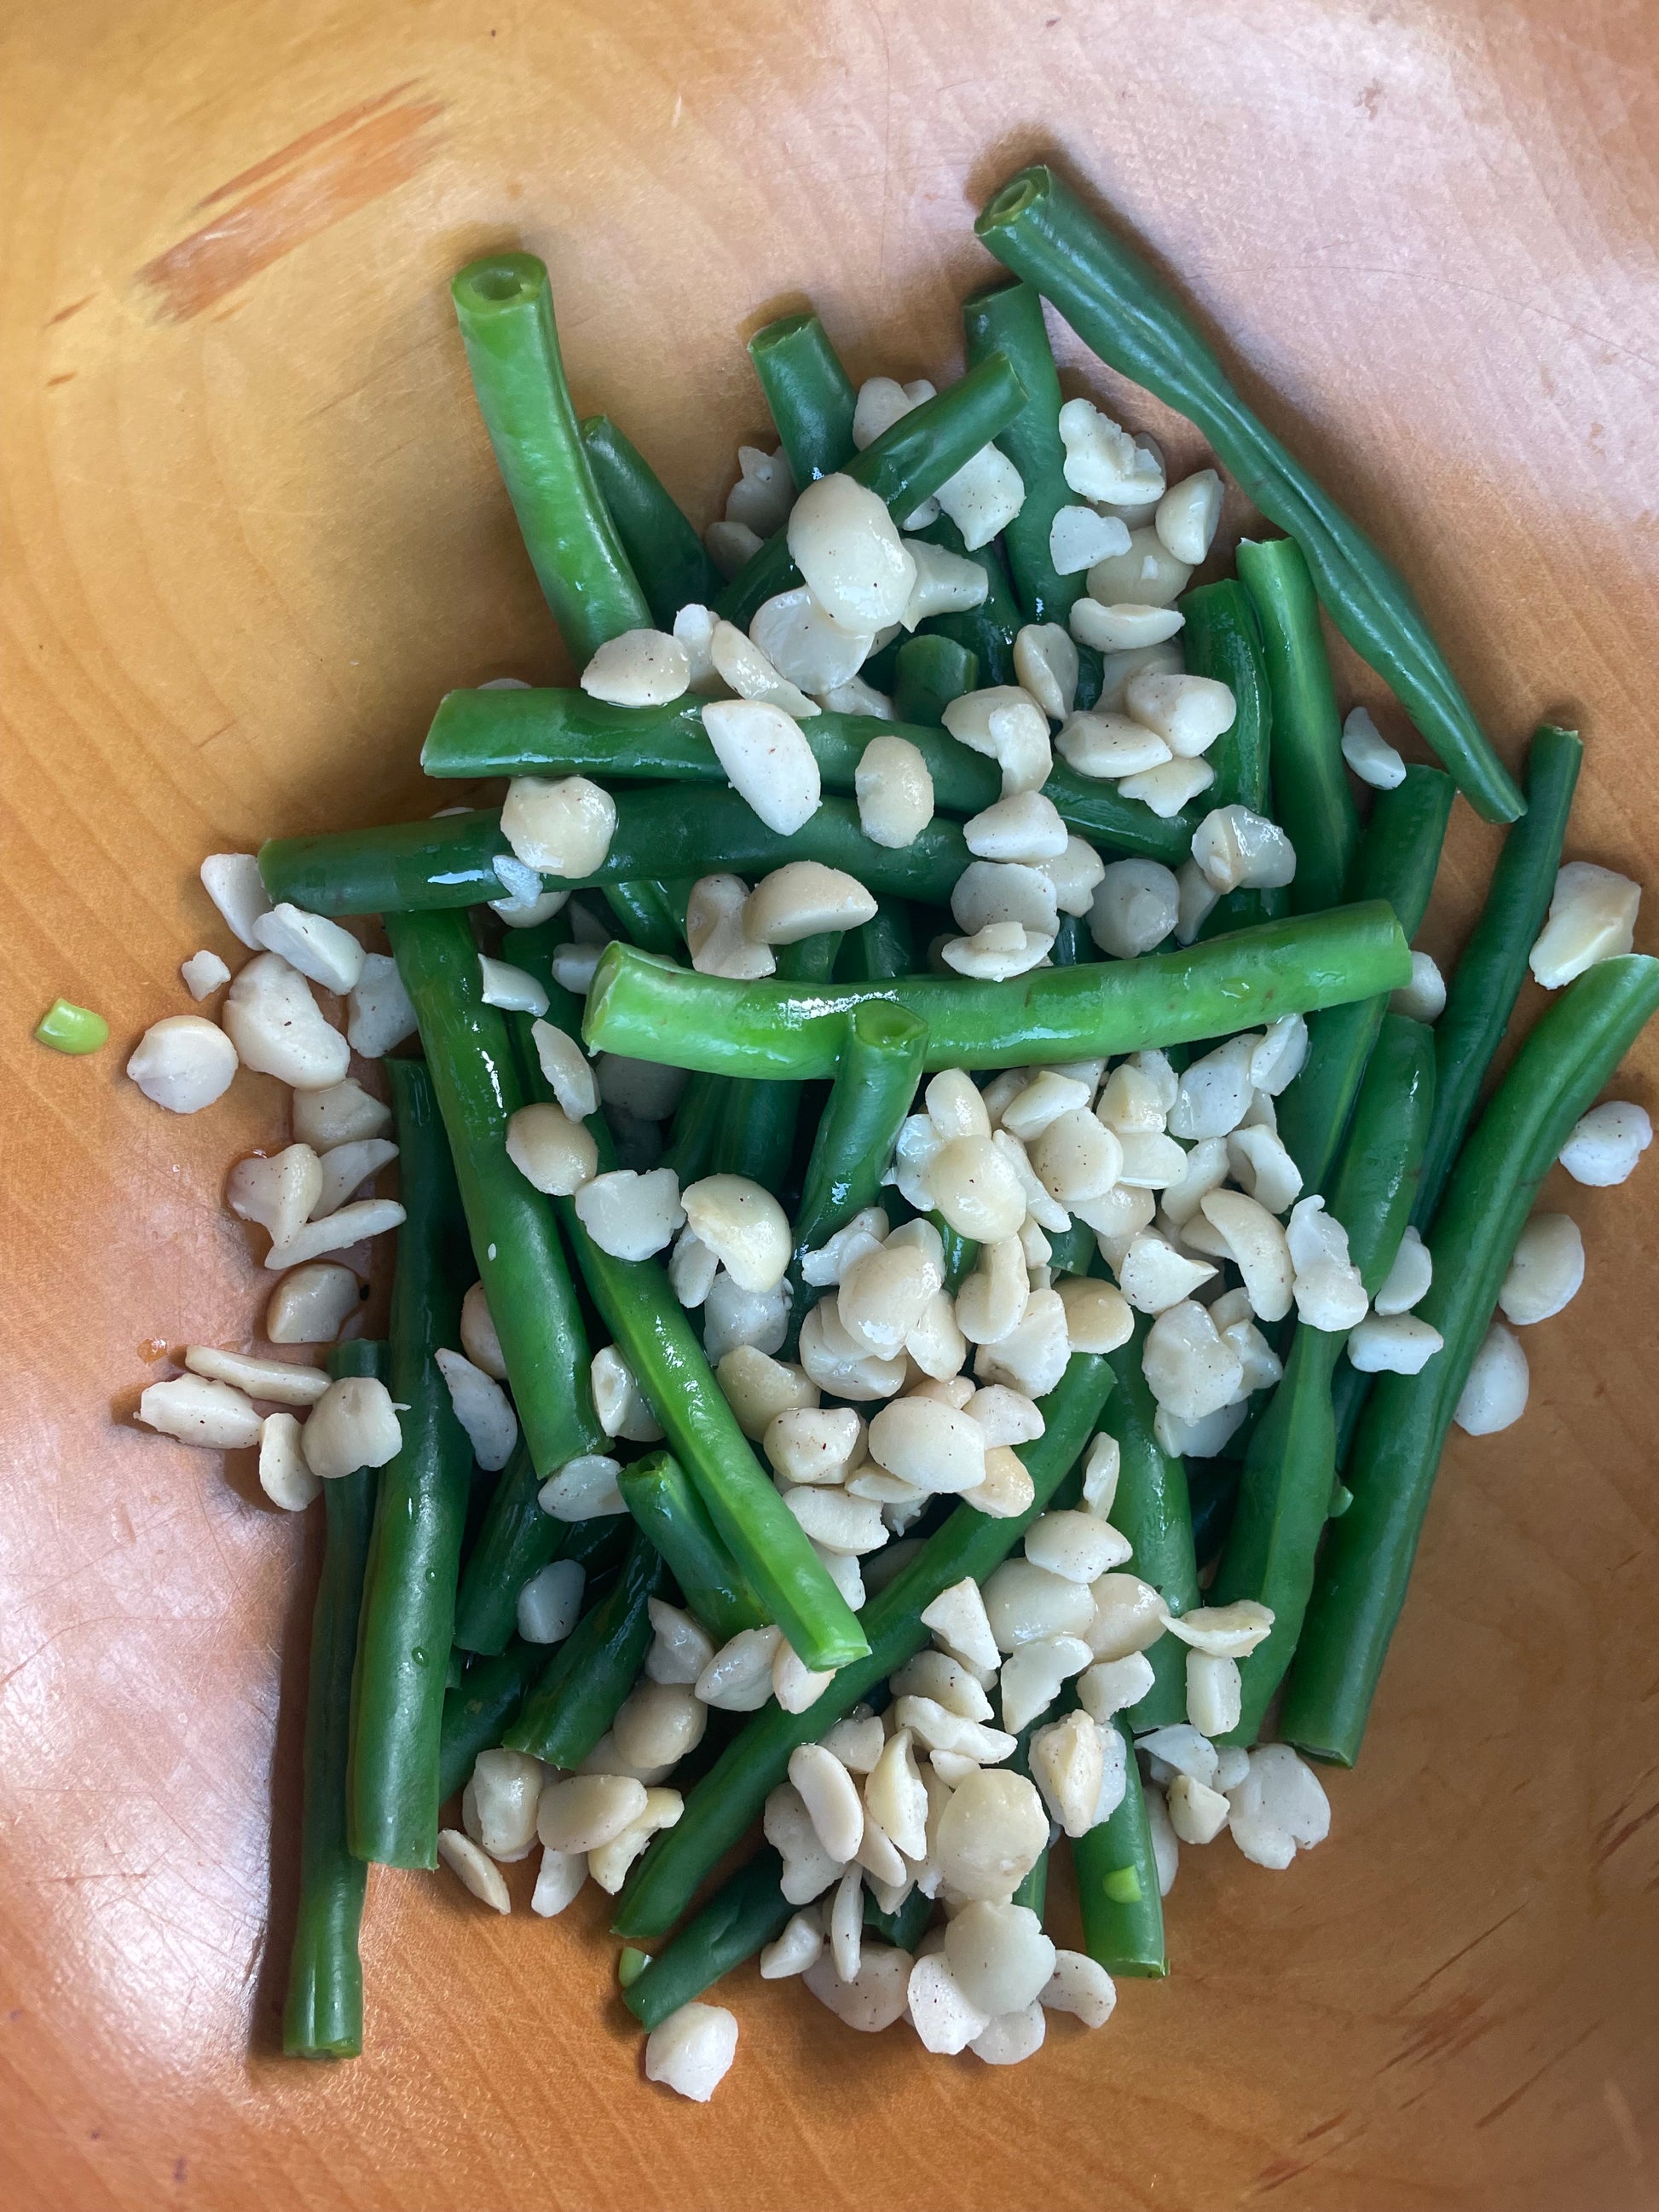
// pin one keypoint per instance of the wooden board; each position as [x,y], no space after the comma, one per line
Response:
[252,531]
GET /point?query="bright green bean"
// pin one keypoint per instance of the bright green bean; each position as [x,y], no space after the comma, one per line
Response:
[874,1085]
[746,1912]
[666,553]
[809,393]
[1009,317]
[1152,1510]
[664,1502]
[590,1674]
[1117,1890]
[929,673]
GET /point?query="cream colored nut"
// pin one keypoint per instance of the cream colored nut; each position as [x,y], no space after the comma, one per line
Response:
[796,1685]
[283,1475]
[1279,1809]
[567,1069]
[1166,1850]
[317,948]
[658,1724]
[1224,1631]
[1197,1814]
[482,1407]
[808,1869]
[946,583]
[1239,850]
[1104,462]
[1130,1102]
[876,1996]
[1607,1143]
[1101,1468]
[280,1193]
[1011,2038]
[1076,1157]
[559,1882]
[894,793]
[767,760]
[831,1798]
[692,2051]
[1314,1235]
[713,931]
[944,2019]
[1074,876]
[1032,1356]
[1154,1276]
[1195,899]
[680,1646]
[990,1834]
[514,989]
[885,1295]
[1397,1344]
[1545,1273]
[917,1148]
[1592,917]
[758,1388]
[1025,828]
[1101,744]
[638,668]
[338,1116]
[626,1214]
[1078,537]
[1423,998]
[278,1029]
[1045,661]
[858,1741]
[1097,1317]
[1214,1702]
[1113,1685]
[1329,1296]
[1187,514]
[1189,713]
[1166,790]
[803,899]
[346,1168]
[1032,1677]
[203,974]
[895,1797]
[1081,1986]
[749,674]
[1123,626]
[1128,1615]
[858,697]
[1000,950]
[183,1063]
[1369,753]
[1134,907]
[845,1922]
[1007,1490]
[1082,1770]
[999,1955]
[992,1299]
[550,1604]
[983,497]
[760,499]
[474,1868]
[353,1424]
[1078,1547]
[955,1106]
[561,828]
[587,1811]
[346,1226]
[1203,1438]
[278,1381]
[505,1788]
[1006,724]
[1257,1246]
[929,1445]
[992,891]
[1024,1601]
[730,546]
[953,1390]
[1188,1368]
[1262,1366]
[551,1151]
[575,967]
[742,1225]
[837,1363]
[958,1620]
[977,1190]
[583,1489]
[1145,574]
[1005,1416]
[848,550]
[233,882]
[1213,1095]
[824,1268]
[945,1681]
[1409,1277]
[813,1444]
[795,1950]
[623,1408]
[839,1522]
[1259,1163]
[1494,1396]
[808,650]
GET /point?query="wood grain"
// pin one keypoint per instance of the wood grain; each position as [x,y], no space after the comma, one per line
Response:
[251,532]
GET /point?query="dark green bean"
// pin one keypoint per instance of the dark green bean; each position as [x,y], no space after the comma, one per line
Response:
[505,306]
[595,1546]
[904,1928]
[646,1007]
[696,1126]
[809,393]
[1009,317]
[758,1139]
[1117,1890]
[1100,812]
[1571,1053]
[879,949]
[961,1252]
[929,673]
[664,1502]
[323,2010]
[746,1912]
[874,1085]
[666,553]
[733,1791]
[644,911]
[409,1591]
[1223,640]
[481,1707]
[1037,227]
[1153,1511]
[590,1674]
[989,630]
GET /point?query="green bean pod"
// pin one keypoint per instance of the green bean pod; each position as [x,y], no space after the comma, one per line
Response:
[809,393]
[696,1126]
[1117,1890]
[644,911]
[874,1086]
[929,673]
[323,2009]
[1008,316]
[1572,1051]
[961,1252]
[646,1007]
[504,303]
[989,630]
[732,1794]
[1099,811]
[1152,1510]
[904,1928]
[1222,639]
[883,947]
[481,1708]
[527,1541]
[574,1701]
[747,1911]
[1037,228]
[665,1504]
[665,552]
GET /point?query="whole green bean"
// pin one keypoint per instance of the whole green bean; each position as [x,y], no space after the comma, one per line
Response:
[409,1591]
[746,1912]
[504,303]
[875,1083]
[1482,989]
[1396,861]
[574,1701]
[1008,316]
[809,393]
[904,466]
[885,946]
[1572,1051]
[1152,1510]
[696,1126]
[930,672]
[664,1502]
[481,1707]
[732,1794]
[516,1542]
[516,1246]
[1037,227]
[644,910]
[1285,1488]
[666,553]
[1315,805]
[1100,812]
[323,2009]
[989,630]
[1222,639]
[664,831]
[1117,1890]
[645,1006]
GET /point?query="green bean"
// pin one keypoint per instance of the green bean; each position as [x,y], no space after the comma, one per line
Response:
[644,1006]
[879,949]
[1396,861]
[1315,805]
[961,1252]
[746,1912]
[665,832]
[1481,991]
[409,1591]
[664,1502]
[1285,1489]
[732,1794]
[1037,227]
[575,1700]
[904,466]
[525,1541]
[1032,1891]
[481,1707]
[989,630]
[1223,640]
[666,553]
[1571,1053]
[1117,1890]
[1152,1510]
[1009,316]
[696,1129]
[1071,943]
[1100,812]
[323,2010]
[758,1139]
[505,306]
[516,1246]
[929,673]
[809,393]
[645,913]
[1214,1492]
[874,1085]
[904,1928]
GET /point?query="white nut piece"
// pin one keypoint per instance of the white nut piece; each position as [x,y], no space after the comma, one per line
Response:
[1166,790]
[1369,753]
[1257,1247]
[284,1477]
[990,1834]
[1280,1055]
[1196,898]
[561,827]
[1046,1096]
[203,974]
[1144,574]
[894,1795]
[1495,1396]
[1423,998]
[346,1226]
[1081,1986]
[691,2051]
[1124,626]
[353,1424]
[1104,462]
[583,1489]
[233,882]
[976,1188]
[1264,1170]
[1102,744]
[1392,1344]
[1011,2038]
[1189,713]
[198,1411]
[1607,1143]
[680,1645]
[1078,537]
[1187,514]
[946,583]
[742,1225]
[638,668]
[760,497]
[279,1382]
[730,546]
[747,672]
[1239,850]
[1114,1686]
[183,1063]
[1188,1366]
[584,1812]
[1069,1765]
[566,1069]
[1032,1677]
[795,1950]
[552,1153]
[944,2019]
[758,1387]
[278,1029]
[805,647]
[1025,827]
[839,1521]
[1408,1277]
[1024,1601]
[503,1794]
[998,1955]
[1214,1704]
[279,1192]
[1046,662]
[936,1675]
[1006,723]
[850,553]
[317,948]
[1005,890]
[876,1996]
[958,1622]
[474,1868]
[550,1604]
[1213,1094]
[992,1299]
[338,1116]
[482,1408]
[1279,1807]
[1154,1276]
[928,1445]
[1101,1467]
[1032,1356]
[808,1869]
[1197,1812]
[629,1215]
[1074,876]
[1097,1317]
[813,1444]
[739,1678]
[346,1168]
[1592,917]
[1224,1631]
[983,497]
[622,1407]
[803,899]
[1547,1270]
[1077,1157]
[559,1882]
[831,1798]
[658,1724]
[1000,950]
[837,1361]
[894,789]
[1079,1546]
[767,760]
[1134,907]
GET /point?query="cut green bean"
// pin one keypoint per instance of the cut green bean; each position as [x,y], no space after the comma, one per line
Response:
[409,1591]
[516,1540]
[874,1085]
[929,673]
[664,1502]
[1396,861]
[1117,1890]
[1100,812]
[596,1546]
[904,1928]
[696,1129]
[989,630]
[747,1911]
[1571,1053]
[961,1252]
[1482,989]
[481,1708]
[879,948]
[732,1794]
[758,1139]
[644,911]
[1285,1489]
[1037,228]
[648,1008]
[904,466]
[1008,316]
[70,1029]
[504,303]
[1153,1511]
[1222,639]
[663,549]
[809,393]
[574,1701]
[323,2010]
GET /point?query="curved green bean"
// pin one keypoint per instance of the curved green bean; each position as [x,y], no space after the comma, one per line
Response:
[874,1085]
[666,553]
[664,1502]
[644,911]
[1572,1051]
[928,673]
[746,1912]
[1008,317]
[575,1700]
[809,393]
[1117,1890]
[1152,1510]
